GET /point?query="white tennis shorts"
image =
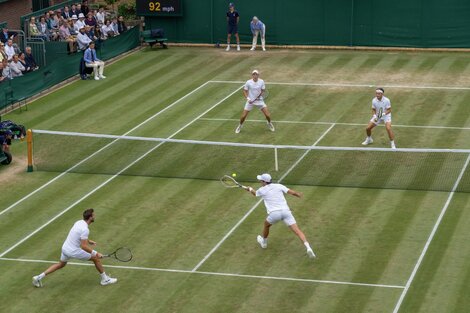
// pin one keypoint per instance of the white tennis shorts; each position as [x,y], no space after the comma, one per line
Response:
[258,104]
[384,119]
[77,254]
[281,215]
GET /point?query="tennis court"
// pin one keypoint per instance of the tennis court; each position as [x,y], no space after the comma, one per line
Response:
[387,241]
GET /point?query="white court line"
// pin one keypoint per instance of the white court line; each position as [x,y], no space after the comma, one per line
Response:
[430,238]
[103,148]
[329,123]
[306,280]
[114,176]
[256,205]
[345,85]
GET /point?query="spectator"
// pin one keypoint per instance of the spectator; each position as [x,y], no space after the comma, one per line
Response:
[10,50]
[92,61]
[6,71]
[76,27]
[115,27]
[85,10]
[107,30]
[121,26]
[81,20]
[258,28]
[90,33]
[101,15]
[7,35]
[65,35]
[232,26]
[79,8]
[16,67]
[82,39]
[74,10]
[53,24]
[66,14]
[21,59]
[2,78]
[44,28]
[29,58]
[3,54]
[91,22]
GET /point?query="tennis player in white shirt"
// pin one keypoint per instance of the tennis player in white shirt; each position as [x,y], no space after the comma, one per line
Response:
[77,246]
[278,210]
[380,104]
[253,92]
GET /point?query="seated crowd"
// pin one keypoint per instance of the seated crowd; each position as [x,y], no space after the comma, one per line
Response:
[13,62]
[77,25]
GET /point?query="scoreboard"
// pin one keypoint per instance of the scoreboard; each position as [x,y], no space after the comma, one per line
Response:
[159,8]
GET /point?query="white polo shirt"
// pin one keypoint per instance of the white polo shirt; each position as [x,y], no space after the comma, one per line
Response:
[381,104]
[273,197]
[78,232]
[254,88]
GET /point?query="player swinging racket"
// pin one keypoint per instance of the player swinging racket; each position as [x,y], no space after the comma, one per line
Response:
[278,210]
[382,112]
[77,246]
[253,92]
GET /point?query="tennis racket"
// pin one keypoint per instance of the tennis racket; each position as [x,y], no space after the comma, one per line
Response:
[229,182]
[380,113]
[262,95]
[122,254]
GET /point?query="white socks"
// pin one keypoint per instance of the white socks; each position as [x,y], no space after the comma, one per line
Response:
[307,245]
[41,276]
[104,276]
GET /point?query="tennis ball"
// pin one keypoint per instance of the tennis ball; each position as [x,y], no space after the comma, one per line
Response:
[234,174]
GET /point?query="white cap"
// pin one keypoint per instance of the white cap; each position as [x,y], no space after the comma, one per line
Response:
[264,177]
[255,72]
[74,17]
[81,15]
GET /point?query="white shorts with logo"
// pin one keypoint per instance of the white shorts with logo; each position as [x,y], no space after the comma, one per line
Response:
[78,254]
[281,215]
[258,104]
[384,119]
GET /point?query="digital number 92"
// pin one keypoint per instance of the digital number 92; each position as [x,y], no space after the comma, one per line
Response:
[154,6]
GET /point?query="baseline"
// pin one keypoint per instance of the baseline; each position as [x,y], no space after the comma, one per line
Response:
[216,274]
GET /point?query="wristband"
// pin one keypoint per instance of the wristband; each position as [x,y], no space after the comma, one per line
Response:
[93,253]
[250,189]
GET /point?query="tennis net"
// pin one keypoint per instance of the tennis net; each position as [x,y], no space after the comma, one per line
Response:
[407,169]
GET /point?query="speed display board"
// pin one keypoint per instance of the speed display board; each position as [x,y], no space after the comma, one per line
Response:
[159,8]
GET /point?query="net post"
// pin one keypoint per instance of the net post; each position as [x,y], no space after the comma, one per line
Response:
[276,163]
[29,140]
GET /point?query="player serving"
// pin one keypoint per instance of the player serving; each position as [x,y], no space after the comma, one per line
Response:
[77,246]
[382,113]
[253,92]
[278,210]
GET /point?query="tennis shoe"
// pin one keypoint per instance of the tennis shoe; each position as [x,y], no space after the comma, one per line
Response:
[108,281]
[261,242]
[238,129]
[37,282]
[102,77]
[228,48]
[264,49]
[367,141]
[97,78]
[238,48]
[311,254]
[271,126]
[253,49]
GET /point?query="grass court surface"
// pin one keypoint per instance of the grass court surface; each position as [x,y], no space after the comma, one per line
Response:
[194,242]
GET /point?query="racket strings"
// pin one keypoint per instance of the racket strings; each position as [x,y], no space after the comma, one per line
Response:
[228,181]
[123,254]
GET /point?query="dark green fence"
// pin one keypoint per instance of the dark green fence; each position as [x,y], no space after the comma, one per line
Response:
[65,66]
[406,23]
